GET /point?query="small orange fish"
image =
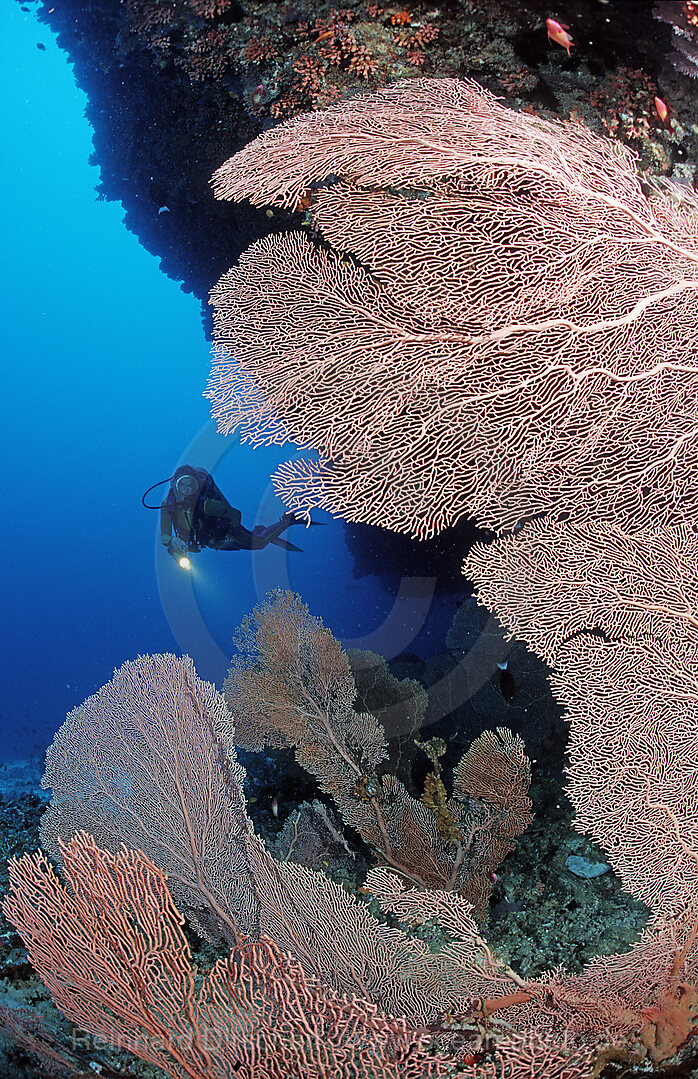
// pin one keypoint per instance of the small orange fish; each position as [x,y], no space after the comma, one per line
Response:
[257,95]
[662,110]
[557,32]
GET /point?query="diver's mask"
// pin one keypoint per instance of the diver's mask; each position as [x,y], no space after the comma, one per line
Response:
[186,487]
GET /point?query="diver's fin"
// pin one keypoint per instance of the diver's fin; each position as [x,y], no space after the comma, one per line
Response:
[285,544]
[294,519]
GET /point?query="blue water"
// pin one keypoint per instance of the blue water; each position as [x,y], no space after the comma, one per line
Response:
[105,366]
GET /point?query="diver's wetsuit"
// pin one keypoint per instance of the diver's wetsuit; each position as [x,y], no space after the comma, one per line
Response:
[208,520]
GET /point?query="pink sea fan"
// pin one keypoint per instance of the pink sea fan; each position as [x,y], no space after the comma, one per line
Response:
[499,310]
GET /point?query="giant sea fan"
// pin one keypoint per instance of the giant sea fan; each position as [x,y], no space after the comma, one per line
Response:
[499,310]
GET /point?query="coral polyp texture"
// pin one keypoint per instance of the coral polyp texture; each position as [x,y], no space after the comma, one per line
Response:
[500,307]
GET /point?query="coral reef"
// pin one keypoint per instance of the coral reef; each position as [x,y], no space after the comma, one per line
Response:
[291,685]
[175,88]
[165,754]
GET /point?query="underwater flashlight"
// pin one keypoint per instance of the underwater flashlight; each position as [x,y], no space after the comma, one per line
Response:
[185,563]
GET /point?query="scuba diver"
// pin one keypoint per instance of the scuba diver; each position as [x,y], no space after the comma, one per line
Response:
[194,514]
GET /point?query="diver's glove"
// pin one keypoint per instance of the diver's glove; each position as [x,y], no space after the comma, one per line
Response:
[176,548]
